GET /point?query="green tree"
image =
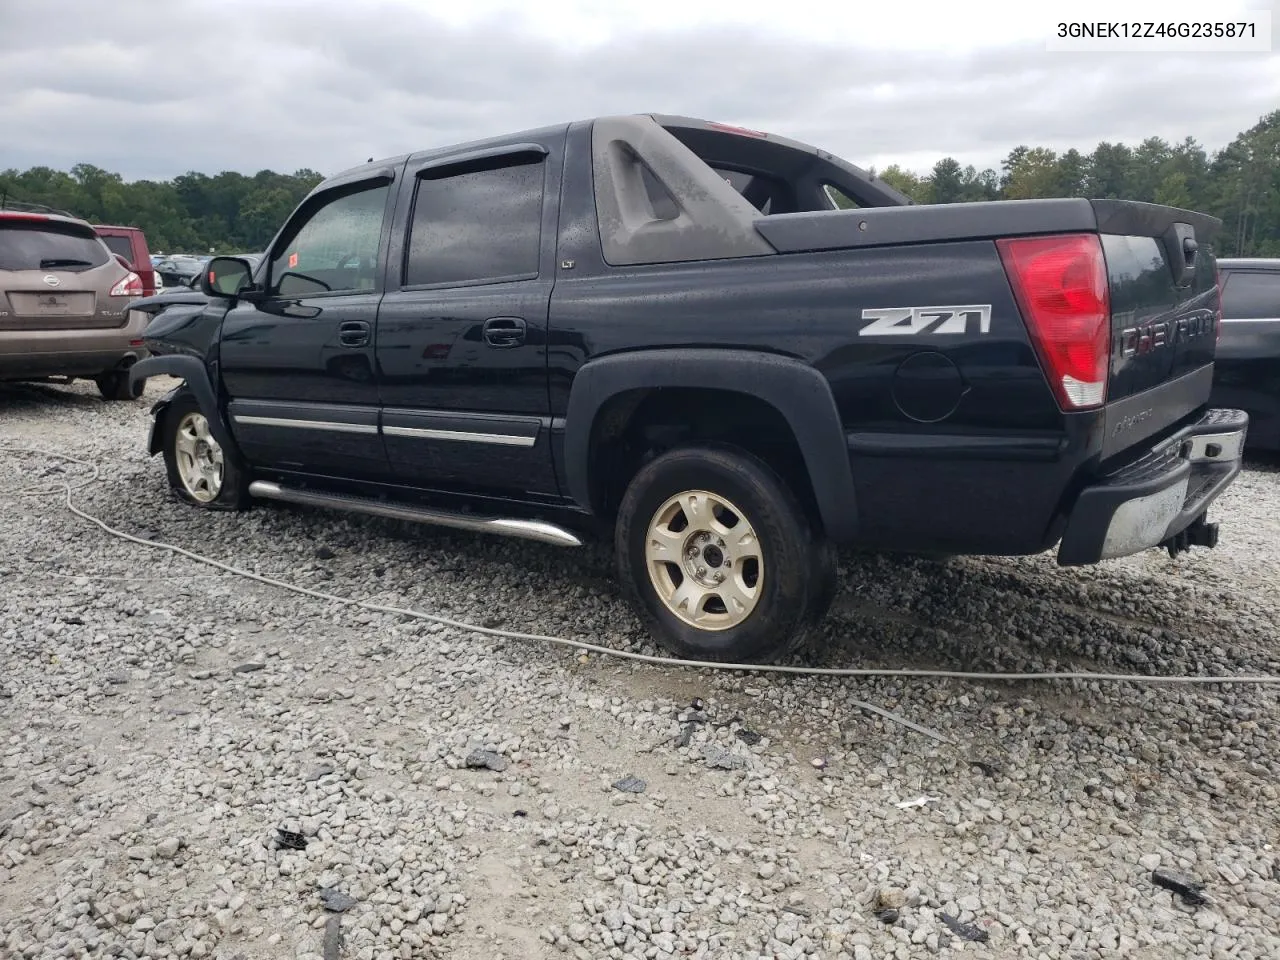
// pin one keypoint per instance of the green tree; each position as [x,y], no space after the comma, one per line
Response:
[1107,176]
[947,182]
[1034,174]
[905,182]
[1173,191]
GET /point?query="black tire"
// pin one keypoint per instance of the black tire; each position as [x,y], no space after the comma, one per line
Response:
[826,579]
[795,583]
[233,491]
[114,385]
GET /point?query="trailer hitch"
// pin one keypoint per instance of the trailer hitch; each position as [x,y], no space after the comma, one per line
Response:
[1198,534]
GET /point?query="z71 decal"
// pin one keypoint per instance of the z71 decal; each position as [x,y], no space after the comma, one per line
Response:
[897,321]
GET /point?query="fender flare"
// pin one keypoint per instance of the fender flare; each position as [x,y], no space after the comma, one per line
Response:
[196,375]
[794,388]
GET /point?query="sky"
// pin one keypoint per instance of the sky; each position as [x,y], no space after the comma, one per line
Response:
[154,89]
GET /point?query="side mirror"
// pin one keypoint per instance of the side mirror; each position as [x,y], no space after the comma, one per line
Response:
[226,278]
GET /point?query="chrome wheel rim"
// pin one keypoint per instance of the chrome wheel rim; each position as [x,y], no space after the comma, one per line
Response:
[199,458]
[704,560]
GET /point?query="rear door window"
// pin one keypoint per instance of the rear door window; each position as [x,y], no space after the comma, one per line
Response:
[121,246]
[39,246]
[1251,296]
[477,225]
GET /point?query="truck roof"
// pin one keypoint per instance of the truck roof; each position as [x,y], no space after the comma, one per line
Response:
[708,138]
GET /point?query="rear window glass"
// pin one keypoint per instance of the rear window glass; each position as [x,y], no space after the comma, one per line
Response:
[1251,296]
[120,245]
[767,194]
[37,247]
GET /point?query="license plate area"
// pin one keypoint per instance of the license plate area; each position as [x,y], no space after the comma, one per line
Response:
[48,305]
[53,303]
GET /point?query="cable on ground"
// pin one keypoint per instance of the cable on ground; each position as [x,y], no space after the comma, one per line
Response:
[67,490]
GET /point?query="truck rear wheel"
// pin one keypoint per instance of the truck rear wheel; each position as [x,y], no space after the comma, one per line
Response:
[720,558]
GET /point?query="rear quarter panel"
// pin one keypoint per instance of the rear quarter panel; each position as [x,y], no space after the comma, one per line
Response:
[954,437]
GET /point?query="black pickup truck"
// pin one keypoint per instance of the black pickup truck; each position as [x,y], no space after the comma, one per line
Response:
[726,350]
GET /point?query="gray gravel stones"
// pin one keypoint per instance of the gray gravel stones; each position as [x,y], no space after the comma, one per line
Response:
[487,760]
[718,758]
[630,784]
[336,901]
[142,780]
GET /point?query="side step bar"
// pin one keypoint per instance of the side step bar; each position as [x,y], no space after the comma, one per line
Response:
[524,529]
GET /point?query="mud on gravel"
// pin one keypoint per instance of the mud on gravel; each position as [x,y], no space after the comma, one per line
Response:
[196,765]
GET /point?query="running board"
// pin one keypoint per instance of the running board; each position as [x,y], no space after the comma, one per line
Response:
[524,529]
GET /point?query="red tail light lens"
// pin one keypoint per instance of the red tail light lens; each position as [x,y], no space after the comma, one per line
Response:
[1060,284]
[130,286]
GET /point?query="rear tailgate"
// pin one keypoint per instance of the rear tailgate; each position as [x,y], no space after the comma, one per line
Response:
[56,275]
[1165,309]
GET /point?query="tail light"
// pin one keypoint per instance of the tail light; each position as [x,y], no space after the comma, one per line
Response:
[130,286]
[1060,284]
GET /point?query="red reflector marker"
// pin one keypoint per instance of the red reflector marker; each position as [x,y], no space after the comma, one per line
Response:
[1060,284]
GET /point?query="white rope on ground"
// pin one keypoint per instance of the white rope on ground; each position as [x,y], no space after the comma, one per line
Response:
[67,490]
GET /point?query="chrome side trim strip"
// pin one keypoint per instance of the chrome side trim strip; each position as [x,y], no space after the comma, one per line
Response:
[330,425]
[507,526]
[432,433]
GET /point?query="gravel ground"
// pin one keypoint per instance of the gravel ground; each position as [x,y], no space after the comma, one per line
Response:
[162,721]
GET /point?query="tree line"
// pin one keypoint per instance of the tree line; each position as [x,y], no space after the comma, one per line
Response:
[1240,184]
[193,213]
[233,212]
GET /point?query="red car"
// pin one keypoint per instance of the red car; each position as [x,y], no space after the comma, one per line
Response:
[131,244]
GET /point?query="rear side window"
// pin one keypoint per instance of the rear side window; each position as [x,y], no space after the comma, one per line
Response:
[121,246]
[477,224]
[40,246]
[1251,296]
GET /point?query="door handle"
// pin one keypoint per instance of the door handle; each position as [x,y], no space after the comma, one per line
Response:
[504,331]
[353,333]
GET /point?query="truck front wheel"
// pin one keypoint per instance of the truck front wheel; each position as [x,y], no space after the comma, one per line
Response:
[200,471]
[720,558]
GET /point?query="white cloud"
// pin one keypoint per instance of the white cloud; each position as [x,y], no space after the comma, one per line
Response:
[248,84]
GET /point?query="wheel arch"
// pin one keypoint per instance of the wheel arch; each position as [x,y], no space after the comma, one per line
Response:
[800,395]
[196,381]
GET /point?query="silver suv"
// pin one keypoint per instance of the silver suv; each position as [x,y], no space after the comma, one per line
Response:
[62,305]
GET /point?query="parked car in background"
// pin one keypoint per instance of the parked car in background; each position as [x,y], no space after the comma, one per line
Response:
[179,270]
[1247,370]
[63,305]
[130,243]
